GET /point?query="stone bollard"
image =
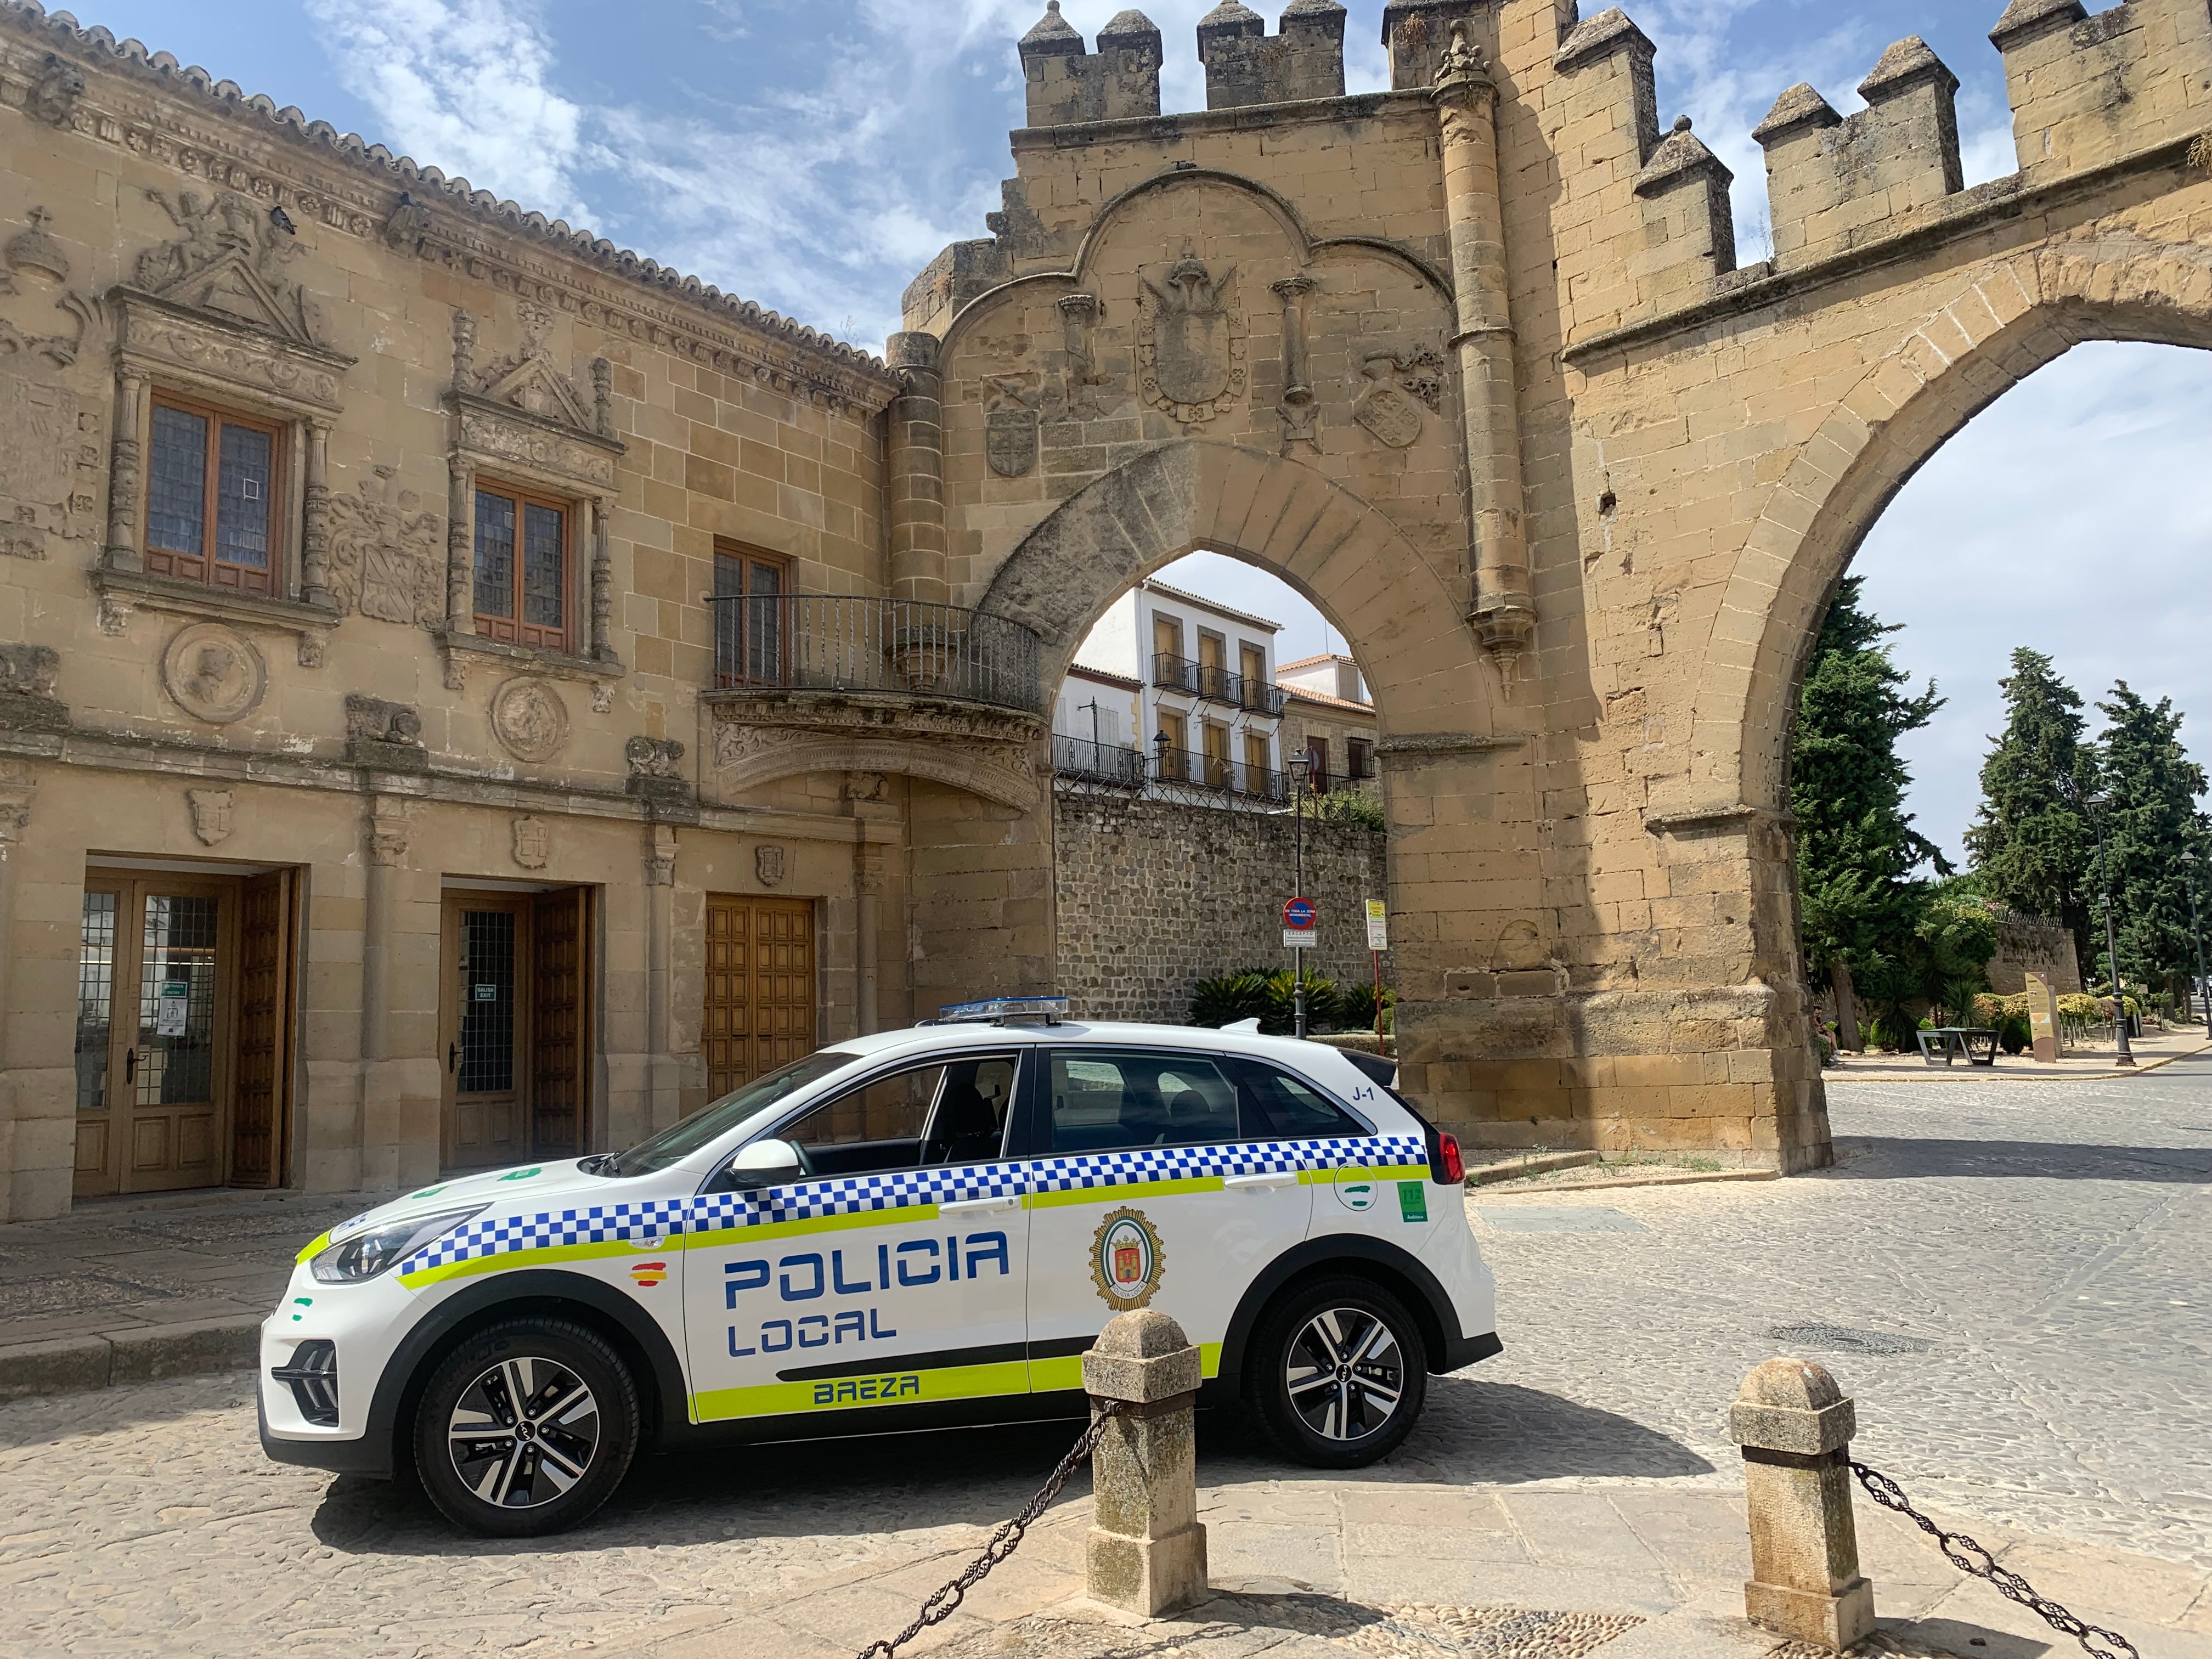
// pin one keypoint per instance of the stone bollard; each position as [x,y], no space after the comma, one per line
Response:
[1796,1429]
[1146,1552]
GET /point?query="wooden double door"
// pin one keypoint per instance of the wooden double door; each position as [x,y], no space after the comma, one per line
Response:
[516,1016]
[760,993]
[185,1005]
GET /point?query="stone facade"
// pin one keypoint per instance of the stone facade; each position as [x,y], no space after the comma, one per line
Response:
[1469,361]
[1154,895]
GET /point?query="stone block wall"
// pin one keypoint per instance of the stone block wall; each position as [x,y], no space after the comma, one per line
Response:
[2034,945]
[1155,896]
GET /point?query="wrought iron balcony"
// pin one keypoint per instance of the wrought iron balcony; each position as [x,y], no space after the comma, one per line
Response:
[812,642]
[1212,684]
[1098,762]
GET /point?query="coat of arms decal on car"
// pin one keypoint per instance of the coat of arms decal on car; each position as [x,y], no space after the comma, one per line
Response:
[1127,1260]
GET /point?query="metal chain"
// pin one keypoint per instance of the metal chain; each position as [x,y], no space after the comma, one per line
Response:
[944,1602]
[1971,1558]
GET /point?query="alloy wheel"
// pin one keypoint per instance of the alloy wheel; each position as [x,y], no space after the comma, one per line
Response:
[524,1433]
[1345,1374]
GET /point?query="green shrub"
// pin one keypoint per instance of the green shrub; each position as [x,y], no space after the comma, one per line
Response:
[1356,1008]
[1215,1003]
[1349,806]
[2015,1033]
[1268,996]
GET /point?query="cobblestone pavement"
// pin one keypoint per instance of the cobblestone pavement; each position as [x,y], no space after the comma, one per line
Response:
[2011,1279]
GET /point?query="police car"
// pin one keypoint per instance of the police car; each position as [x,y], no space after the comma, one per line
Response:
[906,1231]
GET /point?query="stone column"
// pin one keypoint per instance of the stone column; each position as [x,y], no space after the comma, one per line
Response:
[1504,613]
[1146,1551]
[918,545]
[387,839]
[661,1098]
[1299,408]
[868,890]
[460,546]
[1796,1427]
[603,585]
[126,474]
[315,528]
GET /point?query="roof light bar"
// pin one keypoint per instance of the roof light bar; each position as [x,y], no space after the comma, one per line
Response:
[998,1010]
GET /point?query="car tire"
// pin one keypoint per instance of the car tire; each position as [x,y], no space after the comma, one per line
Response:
[541,1469]
[1338,1373]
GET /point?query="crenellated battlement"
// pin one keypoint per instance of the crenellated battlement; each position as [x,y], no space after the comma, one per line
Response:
[2084,88]
[1067,84]
[1245,65]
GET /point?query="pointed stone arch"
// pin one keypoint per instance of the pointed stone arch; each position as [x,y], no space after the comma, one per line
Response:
[2006,320]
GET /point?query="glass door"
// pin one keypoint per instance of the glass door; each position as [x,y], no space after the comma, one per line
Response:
[486,1122]
[153,1049]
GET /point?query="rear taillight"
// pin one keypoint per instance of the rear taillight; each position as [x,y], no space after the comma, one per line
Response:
[1451,1167]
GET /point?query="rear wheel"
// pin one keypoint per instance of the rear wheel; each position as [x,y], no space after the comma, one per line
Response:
[526,1428]
[1337,1373]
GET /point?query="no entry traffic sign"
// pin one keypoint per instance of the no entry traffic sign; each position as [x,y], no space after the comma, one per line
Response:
[1299,916]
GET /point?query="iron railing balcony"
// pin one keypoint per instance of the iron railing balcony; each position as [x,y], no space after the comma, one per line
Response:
[1191,770]
[820,642]
[1098,763]
[1211,683]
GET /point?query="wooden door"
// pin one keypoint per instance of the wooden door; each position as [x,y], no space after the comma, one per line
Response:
[560,1023]
[264,1029]
[760,987]
[157,1032]
[485,948]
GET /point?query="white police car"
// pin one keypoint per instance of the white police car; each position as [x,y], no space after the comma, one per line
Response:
[914,1229]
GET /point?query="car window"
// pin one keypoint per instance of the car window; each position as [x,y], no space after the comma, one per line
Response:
[1114,1101]
[949,1112]
[755,1099]
[1292,1110]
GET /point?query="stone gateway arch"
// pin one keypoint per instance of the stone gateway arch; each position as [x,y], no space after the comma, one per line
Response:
[1474,364]
[630,689]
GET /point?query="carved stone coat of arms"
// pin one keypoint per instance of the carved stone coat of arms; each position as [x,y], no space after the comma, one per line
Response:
[1191,340]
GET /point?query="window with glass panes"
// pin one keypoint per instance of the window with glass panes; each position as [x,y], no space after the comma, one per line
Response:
[749,618]
[522,567]
[212,482]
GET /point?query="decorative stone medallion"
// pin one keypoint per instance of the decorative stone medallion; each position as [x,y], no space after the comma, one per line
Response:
[533,843]
[214,673]
[771,864]
[530,720]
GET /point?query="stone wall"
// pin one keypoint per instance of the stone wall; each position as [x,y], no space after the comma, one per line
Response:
[1156,895]
[2033,944]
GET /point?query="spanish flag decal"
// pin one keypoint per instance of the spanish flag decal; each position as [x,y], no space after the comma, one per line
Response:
[648,1274]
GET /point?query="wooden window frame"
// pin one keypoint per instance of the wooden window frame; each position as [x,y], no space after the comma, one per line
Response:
[733,669]
[274,581]
[514,630]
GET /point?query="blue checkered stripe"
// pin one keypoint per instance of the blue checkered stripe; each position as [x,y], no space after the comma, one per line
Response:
[899,1190]
[1144,1166]
[599,1224]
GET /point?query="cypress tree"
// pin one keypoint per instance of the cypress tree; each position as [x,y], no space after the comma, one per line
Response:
[2032,845]
[1856,848]
[2154,834]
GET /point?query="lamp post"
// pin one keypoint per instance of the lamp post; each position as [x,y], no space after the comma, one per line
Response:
[1298,760]
[2098,803]
[2197,927]
[1160,755]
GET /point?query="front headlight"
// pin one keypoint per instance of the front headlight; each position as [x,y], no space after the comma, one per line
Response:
[366,1254]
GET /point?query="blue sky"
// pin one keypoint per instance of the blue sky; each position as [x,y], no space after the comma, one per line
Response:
[812,157]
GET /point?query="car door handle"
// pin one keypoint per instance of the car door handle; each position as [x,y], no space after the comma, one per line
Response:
[978,1206]
[1260,1183]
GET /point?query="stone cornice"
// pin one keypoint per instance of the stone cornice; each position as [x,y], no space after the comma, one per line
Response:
[145,103]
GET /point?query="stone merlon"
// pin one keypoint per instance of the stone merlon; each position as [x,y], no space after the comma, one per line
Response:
[1067,85]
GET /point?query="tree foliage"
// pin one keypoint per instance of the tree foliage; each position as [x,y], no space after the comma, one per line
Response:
[1860,909]
[2155,835]
[2032,842]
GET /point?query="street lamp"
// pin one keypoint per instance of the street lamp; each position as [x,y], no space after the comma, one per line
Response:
[2197,927]
[1298,760]
[2098,803]
[1160,752]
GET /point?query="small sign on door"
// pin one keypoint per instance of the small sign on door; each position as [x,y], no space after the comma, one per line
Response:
[171,1008]
[487,994]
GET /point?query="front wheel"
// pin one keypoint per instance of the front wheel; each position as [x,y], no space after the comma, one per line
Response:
[526,1428]
[1337,1374]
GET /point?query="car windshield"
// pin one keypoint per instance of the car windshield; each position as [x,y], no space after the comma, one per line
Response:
[762,1095]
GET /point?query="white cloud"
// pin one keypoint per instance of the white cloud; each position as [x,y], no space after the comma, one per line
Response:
[464,85]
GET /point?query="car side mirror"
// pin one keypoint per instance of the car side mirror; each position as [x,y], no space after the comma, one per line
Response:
[765,1163]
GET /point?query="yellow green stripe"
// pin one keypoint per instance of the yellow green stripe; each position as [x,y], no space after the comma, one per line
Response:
[1065,1198]
[781,1399]
[312,1250]
[1357,1173]
[1066,1372]
[720,1238]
